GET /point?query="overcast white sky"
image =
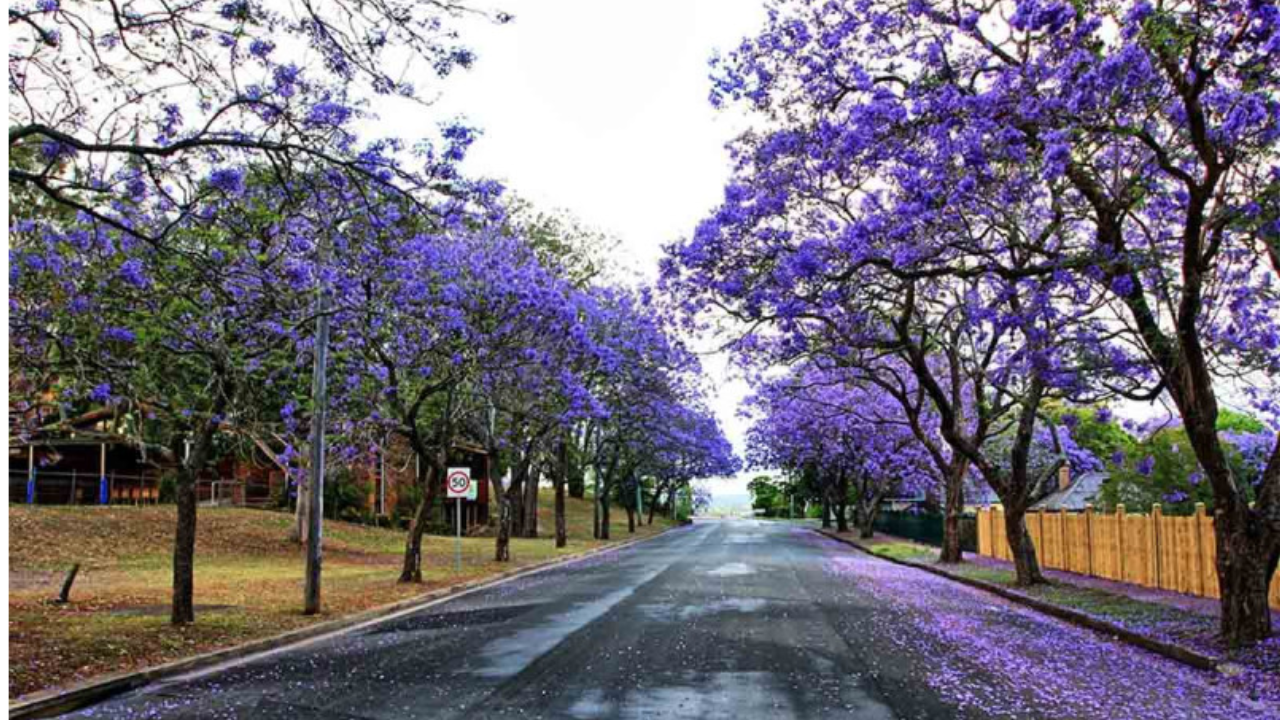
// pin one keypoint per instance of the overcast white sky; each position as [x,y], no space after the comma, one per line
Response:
[600,108]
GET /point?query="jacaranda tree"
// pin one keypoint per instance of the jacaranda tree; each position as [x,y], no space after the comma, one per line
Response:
[1136,142]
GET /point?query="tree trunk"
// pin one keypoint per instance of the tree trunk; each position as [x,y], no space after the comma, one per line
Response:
[603,500]
[577,481]
[184,549]
[502,545]
[595,508]
[1247,547]
[530,504]
[842,503]
[562,470]
[867,519]
[602,497]
[953,508]
[516,491]
[1245,567]
[411,569]
[184,536]
[826,513]
[653,504]
[631,519]
[1020,546]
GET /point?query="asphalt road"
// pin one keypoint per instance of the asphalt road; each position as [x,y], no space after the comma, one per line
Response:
[734,619]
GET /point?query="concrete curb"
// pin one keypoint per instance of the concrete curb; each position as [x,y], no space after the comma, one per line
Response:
[1075,617]
[56,701]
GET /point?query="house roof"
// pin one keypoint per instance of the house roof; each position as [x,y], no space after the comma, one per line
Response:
[980,494]
[1083,490]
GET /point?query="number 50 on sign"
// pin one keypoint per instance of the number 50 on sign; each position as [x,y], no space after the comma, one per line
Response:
[458,484]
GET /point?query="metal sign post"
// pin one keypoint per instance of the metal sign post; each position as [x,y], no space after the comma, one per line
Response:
[458,487]
[319,413]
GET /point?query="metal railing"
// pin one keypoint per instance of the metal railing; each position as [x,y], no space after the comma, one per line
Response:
[72,487]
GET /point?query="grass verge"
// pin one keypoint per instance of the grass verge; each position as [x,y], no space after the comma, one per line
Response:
[249,580]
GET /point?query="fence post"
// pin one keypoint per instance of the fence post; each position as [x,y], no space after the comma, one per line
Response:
[1120,540]
[1001,548]
[991,516]
[1064,556]
[31,475]
[1157,517]
[1088,536]
[1202,588]
[1044,542]
[73,486]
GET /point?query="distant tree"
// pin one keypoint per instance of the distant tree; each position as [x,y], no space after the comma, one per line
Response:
[766,495]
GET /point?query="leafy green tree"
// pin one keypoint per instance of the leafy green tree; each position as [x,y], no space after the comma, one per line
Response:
[1095,429]
[766,495]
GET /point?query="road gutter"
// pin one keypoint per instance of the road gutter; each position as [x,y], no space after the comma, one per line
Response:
[1075,617]
[56,701]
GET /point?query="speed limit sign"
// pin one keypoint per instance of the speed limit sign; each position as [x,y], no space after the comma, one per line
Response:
[458,484]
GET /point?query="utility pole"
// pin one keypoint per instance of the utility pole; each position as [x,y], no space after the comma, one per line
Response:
[320,393]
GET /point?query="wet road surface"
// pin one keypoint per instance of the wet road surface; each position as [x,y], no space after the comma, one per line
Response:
[733,619]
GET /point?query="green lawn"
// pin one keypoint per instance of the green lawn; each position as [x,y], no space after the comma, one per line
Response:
[903,551]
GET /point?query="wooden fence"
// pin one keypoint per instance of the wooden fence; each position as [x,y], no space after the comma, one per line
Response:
[1153,550]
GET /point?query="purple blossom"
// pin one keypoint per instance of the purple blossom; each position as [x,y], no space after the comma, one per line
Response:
[1122,285]
[261,48]
[131,272]
[114,333]
[54,150]
[235,10]
[1146,465]
[229,180]
[101,393]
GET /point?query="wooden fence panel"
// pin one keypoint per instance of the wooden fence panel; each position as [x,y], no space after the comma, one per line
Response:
[1208,551]
[1154,550]
[1076,540]
[1141,541]
[999,538]
[1168,553]
[984,531]
[1105,547]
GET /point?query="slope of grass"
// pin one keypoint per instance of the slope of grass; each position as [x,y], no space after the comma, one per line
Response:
[248,580]
[903,551]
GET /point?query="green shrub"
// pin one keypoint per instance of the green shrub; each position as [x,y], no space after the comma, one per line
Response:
[168,490]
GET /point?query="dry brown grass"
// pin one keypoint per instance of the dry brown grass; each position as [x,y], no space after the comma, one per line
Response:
[248,578]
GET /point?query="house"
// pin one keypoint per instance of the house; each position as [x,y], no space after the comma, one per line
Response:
[1079,491]
[72,465]
[1071,493]
[63,469]
[392,470]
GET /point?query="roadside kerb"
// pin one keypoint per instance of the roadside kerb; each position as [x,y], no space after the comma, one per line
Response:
[56,701]
[1075,617]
